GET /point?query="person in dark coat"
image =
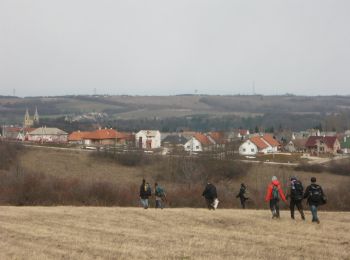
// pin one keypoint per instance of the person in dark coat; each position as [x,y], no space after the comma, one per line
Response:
[296,197]
[242,195]
[210,195]
[145,193]
[315,197]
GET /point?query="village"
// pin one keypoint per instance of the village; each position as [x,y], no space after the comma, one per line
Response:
[308,144]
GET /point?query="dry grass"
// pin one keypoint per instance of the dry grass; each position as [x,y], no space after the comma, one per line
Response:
[134,233]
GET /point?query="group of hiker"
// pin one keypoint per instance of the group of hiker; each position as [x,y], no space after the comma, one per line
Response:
[313,194]
[146,192]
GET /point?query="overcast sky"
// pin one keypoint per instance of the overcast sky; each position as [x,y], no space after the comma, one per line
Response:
[160,47]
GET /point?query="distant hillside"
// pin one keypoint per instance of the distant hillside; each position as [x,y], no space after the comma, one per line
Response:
[238,110]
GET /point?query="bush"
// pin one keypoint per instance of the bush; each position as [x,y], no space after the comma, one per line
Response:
[315,168]
[8,154]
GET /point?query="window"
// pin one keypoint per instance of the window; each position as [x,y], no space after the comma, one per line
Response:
[244,149]
[197,147]
[188,146]
[252,150]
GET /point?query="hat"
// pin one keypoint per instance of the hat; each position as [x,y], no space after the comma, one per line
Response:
[274,178]
[293,178]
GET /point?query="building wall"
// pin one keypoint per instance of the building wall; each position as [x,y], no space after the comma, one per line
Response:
[193,145]
[248,148]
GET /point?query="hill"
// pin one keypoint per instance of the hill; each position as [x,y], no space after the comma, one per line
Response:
[134,233]
[194,111]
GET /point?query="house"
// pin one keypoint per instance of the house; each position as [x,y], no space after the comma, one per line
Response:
[103,137]
[77,137]
[174,140]
[198,143]
[259,144]
[248,148]
[23,134]
[295,146]
[148,139]
[345,144]
[322,144]
[243,133]
[11,132]
[47,135]
[218,138]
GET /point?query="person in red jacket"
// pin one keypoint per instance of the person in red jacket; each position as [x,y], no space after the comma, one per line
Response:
[273,195]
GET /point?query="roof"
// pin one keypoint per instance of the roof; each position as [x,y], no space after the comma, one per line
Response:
[149,133]
[218,137]
[271,141]
[257,140]
[47,131]
[203,139]
[243,131]
[101,134]
[328,140]
[175,139]
[77,136]
[12,129]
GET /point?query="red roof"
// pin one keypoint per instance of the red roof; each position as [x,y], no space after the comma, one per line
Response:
[257,140]
[328,140]
[77,136]
[273,142]
[102,134]
[243,131]
[218,137]
[203,139]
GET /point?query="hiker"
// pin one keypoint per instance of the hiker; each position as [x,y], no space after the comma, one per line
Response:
[145,193]
[242,195]
[211,196]
[296,197]
[273,195]
[160,195]
[315,197]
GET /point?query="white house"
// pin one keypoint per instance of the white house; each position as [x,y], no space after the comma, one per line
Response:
[148,139]
[193,145]
[248,148]
[47,135]
[263,144]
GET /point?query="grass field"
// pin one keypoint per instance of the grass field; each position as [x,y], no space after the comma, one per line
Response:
[134,233]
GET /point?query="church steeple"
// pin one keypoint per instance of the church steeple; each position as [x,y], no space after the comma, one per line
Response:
[27,121]
[36,116]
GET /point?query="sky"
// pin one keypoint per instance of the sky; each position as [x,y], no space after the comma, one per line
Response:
[162,47]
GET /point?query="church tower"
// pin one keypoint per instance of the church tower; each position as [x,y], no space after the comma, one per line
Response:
[36,117]
[27,121]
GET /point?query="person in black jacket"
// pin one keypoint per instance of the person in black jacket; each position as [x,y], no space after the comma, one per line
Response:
[145,193]
[242,195]
[296,197]
[315,197]
[210,195]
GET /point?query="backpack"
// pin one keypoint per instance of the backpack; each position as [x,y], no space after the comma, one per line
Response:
[297,190]
[316,194]
[159,192]
[275,193]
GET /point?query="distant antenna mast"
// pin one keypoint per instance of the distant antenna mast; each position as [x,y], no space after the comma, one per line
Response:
[253,87]
[14,92]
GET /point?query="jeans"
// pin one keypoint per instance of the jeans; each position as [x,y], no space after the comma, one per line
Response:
[313,209]
[144,203]
[275,209]
[299,205]
[159,204]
